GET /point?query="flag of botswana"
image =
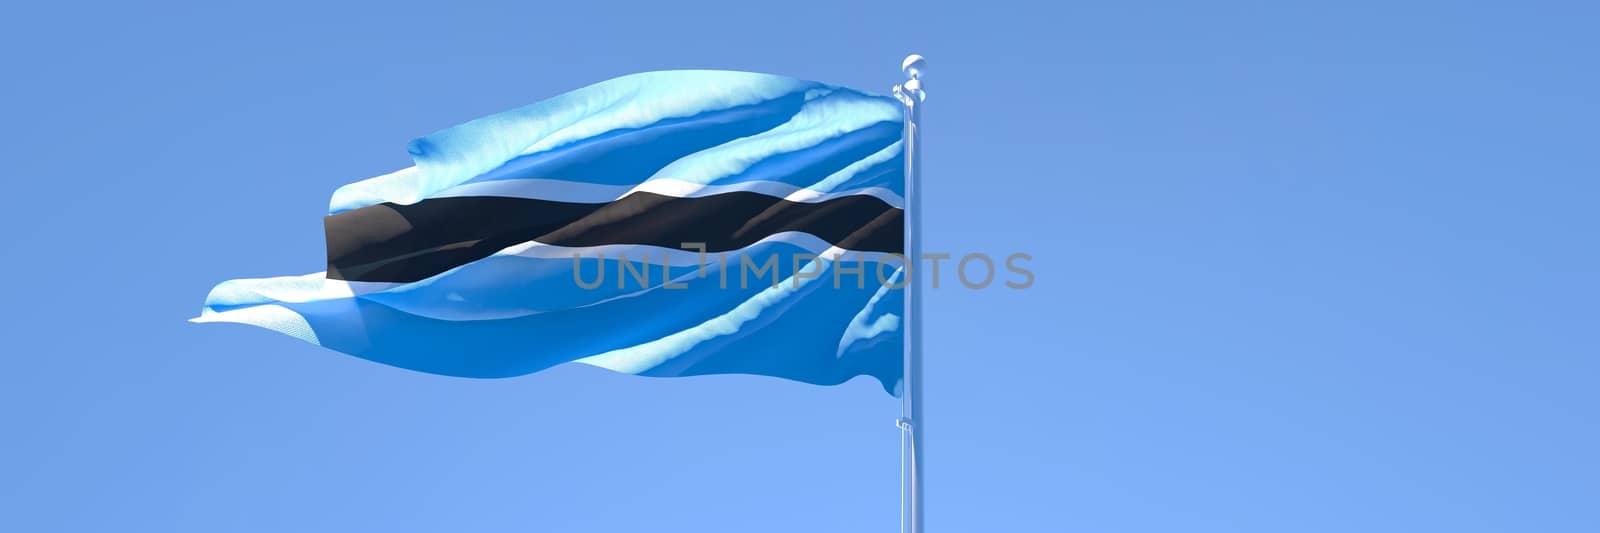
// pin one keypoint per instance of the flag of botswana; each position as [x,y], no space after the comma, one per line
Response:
[619,225]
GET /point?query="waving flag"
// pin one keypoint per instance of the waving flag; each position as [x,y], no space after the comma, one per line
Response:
[663,224]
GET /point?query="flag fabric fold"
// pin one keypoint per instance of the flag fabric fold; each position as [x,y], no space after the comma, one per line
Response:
[664,224]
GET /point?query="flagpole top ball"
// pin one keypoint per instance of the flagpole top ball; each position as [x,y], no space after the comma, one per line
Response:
[913,66]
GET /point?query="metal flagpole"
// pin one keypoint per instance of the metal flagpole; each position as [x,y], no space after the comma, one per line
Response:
[911,422]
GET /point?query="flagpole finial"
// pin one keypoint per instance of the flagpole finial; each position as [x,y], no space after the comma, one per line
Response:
[913,66]
[911,91]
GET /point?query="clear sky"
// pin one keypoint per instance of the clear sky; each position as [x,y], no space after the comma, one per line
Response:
[1298,269]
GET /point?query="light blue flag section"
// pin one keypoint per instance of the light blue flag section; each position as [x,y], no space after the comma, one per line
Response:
[672,223]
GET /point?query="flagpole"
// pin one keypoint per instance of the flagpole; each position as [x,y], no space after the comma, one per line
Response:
[911,424]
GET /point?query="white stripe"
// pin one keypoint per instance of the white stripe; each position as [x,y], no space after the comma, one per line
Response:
[274,317]
[595,193]
[691,257]
[314,287]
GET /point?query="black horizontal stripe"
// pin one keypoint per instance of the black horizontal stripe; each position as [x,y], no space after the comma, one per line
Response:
[403,243]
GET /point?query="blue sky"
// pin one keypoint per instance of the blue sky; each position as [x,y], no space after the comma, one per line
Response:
[1317,268]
